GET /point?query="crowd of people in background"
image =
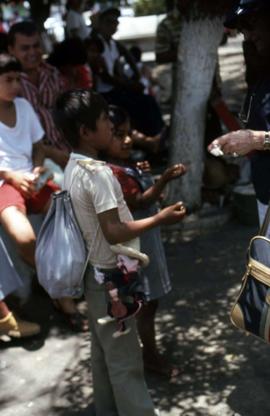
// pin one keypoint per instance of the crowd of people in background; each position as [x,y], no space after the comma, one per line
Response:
[31,145]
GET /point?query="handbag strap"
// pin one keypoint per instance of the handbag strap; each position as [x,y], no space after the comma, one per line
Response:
[88,255]
[265,224]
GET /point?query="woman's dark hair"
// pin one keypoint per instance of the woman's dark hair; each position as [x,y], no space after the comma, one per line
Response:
[117,116]
[27,28]
[8,63]
[77,108]
[69,52]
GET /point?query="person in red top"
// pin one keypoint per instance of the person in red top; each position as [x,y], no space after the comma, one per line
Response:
[70,58]
[141,195]
[40,85]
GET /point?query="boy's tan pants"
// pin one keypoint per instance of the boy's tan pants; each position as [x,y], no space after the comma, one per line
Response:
[118,378]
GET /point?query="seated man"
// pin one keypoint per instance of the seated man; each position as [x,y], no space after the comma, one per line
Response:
[40,85]
[21,168]
[118,89]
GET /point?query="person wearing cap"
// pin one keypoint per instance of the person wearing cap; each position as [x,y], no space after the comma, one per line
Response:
[252,18]
[115,87]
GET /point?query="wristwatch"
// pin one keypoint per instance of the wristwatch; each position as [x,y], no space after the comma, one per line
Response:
[266,143]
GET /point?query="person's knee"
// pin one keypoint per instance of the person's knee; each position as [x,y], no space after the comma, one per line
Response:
[26,246]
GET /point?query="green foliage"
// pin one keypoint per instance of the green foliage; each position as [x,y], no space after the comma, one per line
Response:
[146,7]
[211,7]
[90,3]
[194,8]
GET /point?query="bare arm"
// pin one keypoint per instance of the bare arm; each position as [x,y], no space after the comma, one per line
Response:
[240,142]
[60,157]
[151,195]
[20,181]
[38,154]
[116,231]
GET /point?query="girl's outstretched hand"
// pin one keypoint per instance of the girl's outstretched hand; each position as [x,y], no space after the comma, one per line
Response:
[172,214]
[174,172]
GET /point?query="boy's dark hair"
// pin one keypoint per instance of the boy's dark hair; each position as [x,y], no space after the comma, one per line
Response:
[109,11]
[117,116]
[76,108]
[27,28]
[69,52]
[8,63]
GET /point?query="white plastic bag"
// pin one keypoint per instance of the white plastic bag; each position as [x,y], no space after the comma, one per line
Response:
[61,255]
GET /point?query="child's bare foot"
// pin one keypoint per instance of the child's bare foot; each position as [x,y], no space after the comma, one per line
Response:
[75,319]
[157,364]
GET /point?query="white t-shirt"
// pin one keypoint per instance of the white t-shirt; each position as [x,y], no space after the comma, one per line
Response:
[94,189]
[111,55]
[75,21]
[16,143]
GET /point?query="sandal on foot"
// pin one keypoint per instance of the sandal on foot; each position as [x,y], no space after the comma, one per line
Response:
[169,372]
[76,320]
[15,327]
[161,367]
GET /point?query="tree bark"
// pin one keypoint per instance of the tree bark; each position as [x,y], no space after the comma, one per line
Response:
[197,58]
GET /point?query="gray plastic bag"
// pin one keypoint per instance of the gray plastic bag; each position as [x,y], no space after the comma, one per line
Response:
[61,254]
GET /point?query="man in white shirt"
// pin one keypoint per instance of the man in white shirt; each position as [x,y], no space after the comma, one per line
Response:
[75,23]
[117,89]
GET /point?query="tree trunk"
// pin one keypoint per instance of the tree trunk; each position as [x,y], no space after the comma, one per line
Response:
[197,58]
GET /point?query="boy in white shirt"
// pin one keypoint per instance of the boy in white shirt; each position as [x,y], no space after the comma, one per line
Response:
[21,166]
[104,219]
[21,159]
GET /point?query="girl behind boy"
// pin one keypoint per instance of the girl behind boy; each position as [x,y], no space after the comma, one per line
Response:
[105,220]
[141,195]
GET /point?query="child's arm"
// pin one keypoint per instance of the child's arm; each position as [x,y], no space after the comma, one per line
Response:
[20,181]
[116,231]
[38,154]
[151,195]
[60,157]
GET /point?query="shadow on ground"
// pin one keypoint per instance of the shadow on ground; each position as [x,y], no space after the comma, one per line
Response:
[221,366]
[224,372]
